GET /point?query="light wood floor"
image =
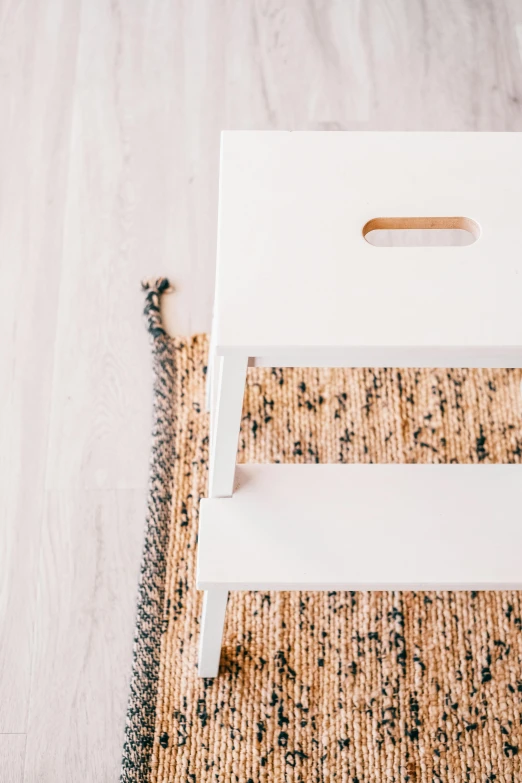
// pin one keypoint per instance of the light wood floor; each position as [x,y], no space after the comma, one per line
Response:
[110,113]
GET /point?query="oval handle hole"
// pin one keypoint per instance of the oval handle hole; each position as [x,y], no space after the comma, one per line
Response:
[421,232]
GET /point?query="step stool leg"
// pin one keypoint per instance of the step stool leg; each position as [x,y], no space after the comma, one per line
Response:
[228,386]
[211,631]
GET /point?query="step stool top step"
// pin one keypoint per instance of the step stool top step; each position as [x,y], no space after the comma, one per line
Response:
[360,527]
[296,277]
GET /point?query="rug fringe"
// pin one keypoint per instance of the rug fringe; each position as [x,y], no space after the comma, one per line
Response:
[154,287]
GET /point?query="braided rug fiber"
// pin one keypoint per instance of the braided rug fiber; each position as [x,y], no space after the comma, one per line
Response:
[351,687]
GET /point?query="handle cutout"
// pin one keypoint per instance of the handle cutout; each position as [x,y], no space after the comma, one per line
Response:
[421,232]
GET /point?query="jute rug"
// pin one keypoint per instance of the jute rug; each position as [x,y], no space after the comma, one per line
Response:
[351,687]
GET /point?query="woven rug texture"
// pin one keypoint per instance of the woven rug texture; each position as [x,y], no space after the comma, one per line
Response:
[329,686]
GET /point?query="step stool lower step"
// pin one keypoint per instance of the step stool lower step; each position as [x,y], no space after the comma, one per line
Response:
[364,527]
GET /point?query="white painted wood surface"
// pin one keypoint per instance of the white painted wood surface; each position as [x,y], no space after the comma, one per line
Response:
[390,356]
[211,631]
[228,385]
[295,275]
[152,86]
[364,527]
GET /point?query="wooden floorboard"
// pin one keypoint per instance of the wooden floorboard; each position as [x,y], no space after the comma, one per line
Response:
[109,147]
[101,399]
[12,755]
[88,576]
[38,45]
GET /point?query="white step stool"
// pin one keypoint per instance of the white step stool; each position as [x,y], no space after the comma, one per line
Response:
[298,284]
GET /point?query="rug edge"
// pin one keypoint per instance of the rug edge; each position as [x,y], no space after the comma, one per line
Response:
[141,705]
